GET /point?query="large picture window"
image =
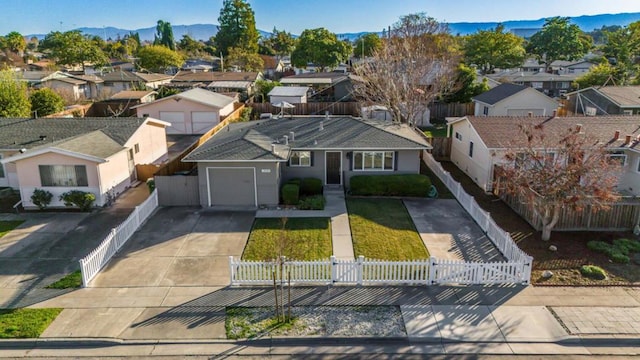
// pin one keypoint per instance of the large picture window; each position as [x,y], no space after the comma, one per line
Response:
[300,158]
[63,175]
[373,161]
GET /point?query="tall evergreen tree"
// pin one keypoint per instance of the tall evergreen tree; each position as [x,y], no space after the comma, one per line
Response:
[237,27]
[164,35]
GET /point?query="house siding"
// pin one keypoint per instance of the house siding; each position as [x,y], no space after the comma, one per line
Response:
[152,144]
[113,176]
[184,106]
[630,178]
[521,103]
[10,178]
[479,167]
[289,99]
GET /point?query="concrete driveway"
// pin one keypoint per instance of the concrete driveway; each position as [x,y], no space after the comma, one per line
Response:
[449,232]
[180,246]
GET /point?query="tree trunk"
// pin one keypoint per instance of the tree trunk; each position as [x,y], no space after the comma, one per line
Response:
[546,232]
[550,220]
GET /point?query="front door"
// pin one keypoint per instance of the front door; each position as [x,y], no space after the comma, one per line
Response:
[333,167]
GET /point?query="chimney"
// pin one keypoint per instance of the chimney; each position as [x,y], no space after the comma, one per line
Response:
[321,126]
[286,140]
[627,139]
[579,128]
[616,135]
[530,114]
[292,135]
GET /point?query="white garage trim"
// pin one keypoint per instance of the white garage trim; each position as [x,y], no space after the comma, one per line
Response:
[255,182]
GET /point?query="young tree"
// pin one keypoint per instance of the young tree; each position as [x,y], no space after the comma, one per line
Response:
[72,48]
[14,101]
[559,40]
[623,48]
[189,46]
[467,86]
[263,87]
[164,35]
[599,75]
[490,49]
[15,42]
[158,58]
[46,102]
[321,48]
[281,42]
[237,27]
[244,60]
[416,63]
[557,169]
[367,45]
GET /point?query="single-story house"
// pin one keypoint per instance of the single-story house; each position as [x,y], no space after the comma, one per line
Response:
[194,111]
[245,164]
[606,100]
[272,65]
[93,87]
[479,143]
[96,155]
[513,100]
[241,82]
[563,67]
[120,80]
[327,86]
[290,94]
[135,96]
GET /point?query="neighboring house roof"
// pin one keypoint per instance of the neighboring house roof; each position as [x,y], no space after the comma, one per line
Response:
[498,132]
[128,76]
[499,93]
[288,91]
[315,78]
[231,84]
[153,77]
[88,78]
[201,96]
[251,141]
[72,81]
[210,76]
[41,76]
[270,62]
[131,95]
[623,96]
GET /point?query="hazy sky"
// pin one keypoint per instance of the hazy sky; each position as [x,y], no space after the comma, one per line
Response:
[340,16]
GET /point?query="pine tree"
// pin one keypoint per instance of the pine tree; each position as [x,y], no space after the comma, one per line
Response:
[237,27]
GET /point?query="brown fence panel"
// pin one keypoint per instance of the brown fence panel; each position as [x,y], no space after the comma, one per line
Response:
[177,190]
[146,171]
[441,148]
[315,108]
[439,111]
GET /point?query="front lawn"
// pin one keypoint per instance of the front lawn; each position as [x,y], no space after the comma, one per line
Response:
[6,226]
[302,239]
[70,281]
[25,323]
[382,229]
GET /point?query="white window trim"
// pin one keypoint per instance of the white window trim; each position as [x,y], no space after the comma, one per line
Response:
[299,152]
[393,161]
[65,185]
[623,156]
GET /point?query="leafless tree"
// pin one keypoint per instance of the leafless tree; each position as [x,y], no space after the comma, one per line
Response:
[415,64]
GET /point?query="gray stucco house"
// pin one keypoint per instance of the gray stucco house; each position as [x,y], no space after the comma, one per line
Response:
[244,164]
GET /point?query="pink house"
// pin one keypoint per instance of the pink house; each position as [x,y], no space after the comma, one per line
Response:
[96,155]
[191,112]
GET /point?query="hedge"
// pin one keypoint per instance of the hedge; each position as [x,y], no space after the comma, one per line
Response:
[290,194]
[390,185]
[311,186]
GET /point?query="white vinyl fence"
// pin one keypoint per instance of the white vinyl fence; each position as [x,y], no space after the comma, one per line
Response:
[362,271]
[91,264]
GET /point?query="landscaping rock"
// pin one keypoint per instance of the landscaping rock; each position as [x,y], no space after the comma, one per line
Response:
[553,248]
[547,274]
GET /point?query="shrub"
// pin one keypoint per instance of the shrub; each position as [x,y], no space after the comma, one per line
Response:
[82,200]
[391,185]
[46,102]
[599,246]
[290,194]
[41,198]
[627,246]
[310,186]
[618,252]
[619,257]
[295,181]
[151,184]
[592,271]
[315,202]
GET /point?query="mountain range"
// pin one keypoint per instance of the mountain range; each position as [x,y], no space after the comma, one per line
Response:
[205,31]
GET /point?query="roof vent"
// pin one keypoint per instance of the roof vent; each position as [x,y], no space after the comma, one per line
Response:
[627,139]
[616,135]
[579,128]
[326,114]
[530,113]
[273,148]
[321,126]
[292,135]
[43,137]
[286,140]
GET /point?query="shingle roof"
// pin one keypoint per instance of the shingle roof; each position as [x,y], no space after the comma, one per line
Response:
[622,95]
[315,78]
[252,141]
[499,93]
[128,76]
[131,94]
[26,133]
[288,91]
[503,131]
[209,76]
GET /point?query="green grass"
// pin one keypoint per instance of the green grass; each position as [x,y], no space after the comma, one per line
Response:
[382,229]
[71,281]
[25,323]
[303,239]
[241,323]
[436,131]
[6,226]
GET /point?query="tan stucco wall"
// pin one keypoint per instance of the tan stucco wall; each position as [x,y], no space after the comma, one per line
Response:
[114,175]
[479,167]
[152,141]
[185,106]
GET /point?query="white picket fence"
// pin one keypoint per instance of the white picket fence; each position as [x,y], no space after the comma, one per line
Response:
[362,271]
[500,238]
[91,264]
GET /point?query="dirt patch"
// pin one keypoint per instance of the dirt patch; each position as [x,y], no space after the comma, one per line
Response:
[572,250]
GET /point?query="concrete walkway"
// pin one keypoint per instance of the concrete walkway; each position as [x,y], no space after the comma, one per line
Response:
[336,209]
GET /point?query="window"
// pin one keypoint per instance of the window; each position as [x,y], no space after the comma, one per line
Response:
[536,85]
[627,112]
[485,111]
[136,148]
[1,168]
[470,148]
[63,175]
[300,158]
[373,160]
[458,136]
[618,157]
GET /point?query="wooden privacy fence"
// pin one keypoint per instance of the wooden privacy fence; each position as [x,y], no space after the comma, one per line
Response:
[621,216]
[441,147]
[440,111]
[91,264]
[313,108]
[363,271]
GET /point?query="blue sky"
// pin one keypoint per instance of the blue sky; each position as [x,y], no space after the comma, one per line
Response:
[340,16]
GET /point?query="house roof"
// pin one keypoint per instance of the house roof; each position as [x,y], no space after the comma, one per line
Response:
[70,80]
[251,141]
[210,76]
[230,84]
[198,95]
[503,131]
[89,78]
[623,96]
[499,93]
[153,77]
[315,78]
[270,62]
[128,76]
[19,134]
[131,95]
[289,91]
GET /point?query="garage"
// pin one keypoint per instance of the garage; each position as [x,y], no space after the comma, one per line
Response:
[231,186]
[203,121]
[177,120]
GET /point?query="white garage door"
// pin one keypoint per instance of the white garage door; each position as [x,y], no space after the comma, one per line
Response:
[176,118]
[232,186]
[203,121]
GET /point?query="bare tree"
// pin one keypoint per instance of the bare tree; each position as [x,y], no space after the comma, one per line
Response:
[416,63]
[555,170]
